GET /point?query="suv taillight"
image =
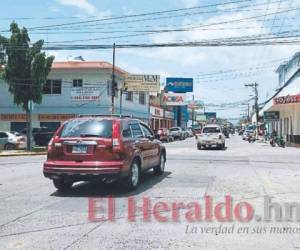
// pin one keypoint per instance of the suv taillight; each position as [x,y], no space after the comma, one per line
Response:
[116,137]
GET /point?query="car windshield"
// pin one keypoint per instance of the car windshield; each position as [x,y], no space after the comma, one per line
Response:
[211,130]
[174,129]
[88,128]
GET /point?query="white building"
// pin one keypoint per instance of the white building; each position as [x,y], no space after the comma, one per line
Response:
[286,101]
[72,88]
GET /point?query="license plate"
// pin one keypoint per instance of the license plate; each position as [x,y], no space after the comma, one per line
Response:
[79,149]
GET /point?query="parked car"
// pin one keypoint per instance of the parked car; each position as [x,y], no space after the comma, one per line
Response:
[211,136]
[106,148]
[10,141]
[177,133]
[41,136]
[197,131]
[185,133]
[190,132]
[164,134]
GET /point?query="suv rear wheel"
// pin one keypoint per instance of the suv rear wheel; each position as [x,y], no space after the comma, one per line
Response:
[160,168]
[61,184]
[133,179]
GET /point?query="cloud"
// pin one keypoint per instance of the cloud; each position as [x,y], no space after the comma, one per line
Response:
[85,6]
[190,3]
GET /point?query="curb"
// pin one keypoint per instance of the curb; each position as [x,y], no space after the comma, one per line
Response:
[23,154]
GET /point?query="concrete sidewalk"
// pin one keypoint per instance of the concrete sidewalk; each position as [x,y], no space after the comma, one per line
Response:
[21,153]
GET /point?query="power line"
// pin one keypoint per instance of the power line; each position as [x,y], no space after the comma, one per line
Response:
[139,15]
[179,30]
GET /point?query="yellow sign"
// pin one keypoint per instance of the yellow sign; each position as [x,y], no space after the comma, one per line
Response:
[142,83]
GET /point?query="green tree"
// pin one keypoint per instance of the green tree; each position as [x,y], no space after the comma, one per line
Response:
[26,69]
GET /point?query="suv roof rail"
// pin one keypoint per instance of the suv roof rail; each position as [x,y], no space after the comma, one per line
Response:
[109,115]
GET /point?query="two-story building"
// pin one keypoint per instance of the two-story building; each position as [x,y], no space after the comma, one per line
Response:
[286,101]
[74,87]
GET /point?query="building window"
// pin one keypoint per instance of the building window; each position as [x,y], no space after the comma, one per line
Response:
[129,96]
[77,83]
[142,99]
[52,87]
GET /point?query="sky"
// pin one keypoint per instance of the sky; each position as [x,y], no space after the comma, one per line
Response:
[219,73]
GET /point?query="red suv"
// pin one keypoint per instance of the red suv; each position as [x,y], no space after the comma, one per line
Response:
[103,148]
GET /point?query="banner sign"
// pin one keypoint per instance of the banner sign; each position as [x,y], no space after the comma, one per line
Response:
[142,83]
[90,94]
[173,99]
[286,99]
[179,85]
[271,116]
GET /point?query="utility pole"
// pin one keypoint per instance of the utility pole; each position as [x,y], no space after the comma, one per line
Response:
[254,87]
[113,83]
[248,112]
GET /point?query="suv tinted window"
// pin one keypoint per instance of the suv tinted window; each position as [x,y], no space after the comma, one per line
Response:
[136,130]
[88,128]
[126,133]
[146,130]
[174,129]
[211,130]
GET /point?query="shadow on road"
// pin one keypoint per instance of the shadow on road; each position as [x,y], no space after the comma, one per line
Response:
[96,189]
[214,148]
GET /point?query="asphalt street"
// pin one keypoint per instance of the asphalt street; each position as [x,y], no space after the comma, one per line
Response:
[33,215]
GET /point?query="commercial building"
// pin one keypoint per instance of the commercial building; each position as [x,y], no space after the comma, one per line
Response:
[74,87]
[284,105]
[161,116]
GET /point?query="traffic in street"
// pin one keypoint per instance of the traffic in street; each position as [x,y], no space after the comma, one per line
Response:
[35,215]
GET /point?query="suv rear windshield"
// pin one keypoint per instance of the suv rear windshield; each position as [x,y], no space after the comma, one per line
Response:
[88,128]
[174,129]
[211,130]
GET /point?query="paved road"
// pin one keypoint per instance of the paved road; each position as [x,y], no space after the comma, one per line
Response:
[34,216]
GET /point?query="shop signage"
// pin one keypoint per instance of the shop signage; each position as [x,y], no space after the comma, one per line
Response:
[173,99]
[271,116]
[55,117]
[13,117]
[142,83]
[90,94]
[156,111]
[286,99]
[179,85]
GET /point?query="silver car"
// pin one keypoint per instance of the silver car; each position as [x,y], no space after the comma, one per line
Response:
[10,141]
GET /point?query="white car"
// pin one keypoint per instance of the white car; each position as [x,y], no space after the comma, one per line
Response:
[10,141]
[211,136]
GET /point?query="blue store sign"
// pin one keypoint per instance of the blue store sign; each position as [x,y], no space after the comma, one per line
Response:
[179,85]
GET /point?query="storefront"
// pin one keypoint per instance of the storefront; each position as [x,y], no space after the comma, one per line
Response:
[17,121]
[285,103]
[157,117]
[288,122]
